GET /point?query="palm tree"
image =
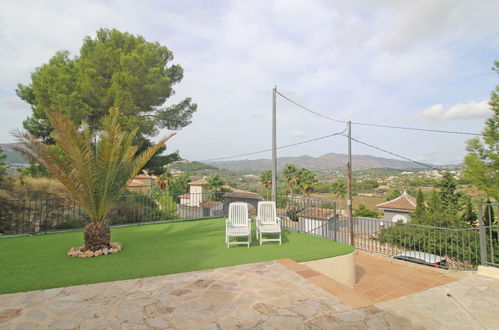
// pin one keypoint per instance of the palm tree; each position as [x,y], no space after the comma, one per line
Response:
[339,188]
[165,179]
[306,181]
[266,180]
[96,174]
[291,175]
[216,186]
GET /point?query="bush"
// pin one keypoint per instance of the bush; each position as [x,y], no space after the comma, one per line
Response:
[72,218]
[135,208]
[168,207]
[462,245]
[363,211]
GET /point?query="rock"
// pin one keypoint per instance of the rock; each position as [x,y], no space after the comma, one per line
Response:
[113,250]
[88,254]
[180,292]
[9,314]
[265,309]
[105,251]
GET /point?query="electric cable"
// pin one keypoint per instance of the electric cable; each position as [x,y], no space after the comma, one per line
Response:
[376,125]
[394,154]
[270,149]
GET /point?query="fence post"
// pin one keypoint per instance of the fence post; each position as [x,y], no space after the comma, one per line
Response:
[483,237]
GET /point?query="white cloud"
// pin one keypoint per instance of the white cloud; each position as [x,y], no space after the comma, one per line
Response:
[469,110]
[365,61]
[434,112]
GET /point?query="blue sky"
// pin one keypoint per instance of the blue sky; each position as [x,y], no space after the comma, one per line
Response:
[407,63]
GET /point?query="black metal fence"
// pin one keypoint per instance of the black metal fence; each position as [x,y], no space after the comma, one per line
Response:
[460,247]
[28,216]
[463,248]
[489,233]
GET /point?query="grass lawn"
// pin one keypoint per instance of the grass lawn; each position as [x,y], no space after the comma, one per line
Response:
[40,262]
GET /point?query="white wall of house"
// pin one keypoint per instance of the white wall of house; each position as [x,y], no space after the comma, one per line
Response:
[396,216]
[199,195]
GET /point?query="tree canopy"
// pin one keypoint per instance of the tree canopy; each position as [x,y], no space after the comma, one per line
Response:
[114,69]
[481,165]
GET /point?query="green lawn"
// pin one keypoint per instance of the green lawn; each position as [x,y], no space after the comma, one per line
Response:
[40,262]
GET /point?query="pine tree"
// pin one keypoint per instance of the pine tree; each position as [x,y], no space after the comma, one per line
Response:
[420,211]
[469,214]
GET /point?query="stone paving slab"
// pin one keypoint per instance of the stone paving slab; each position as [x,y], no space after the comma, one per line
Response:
[470,303]
[265,295]
[262,295]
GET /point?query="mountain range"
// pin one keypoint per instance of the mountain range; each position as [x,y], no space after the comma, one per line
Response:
[324,162]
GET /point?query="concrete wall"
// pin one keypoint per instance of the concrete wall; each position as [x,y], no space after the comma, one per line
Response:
[341,269]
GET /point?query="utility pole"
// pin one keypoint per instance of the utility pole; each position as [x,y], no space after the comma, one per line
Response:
[274,146]
[349,201]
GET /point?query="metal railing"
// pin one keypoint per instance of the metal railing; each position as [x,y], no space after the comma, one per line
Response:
[489,233]
[463,248]
[29,216]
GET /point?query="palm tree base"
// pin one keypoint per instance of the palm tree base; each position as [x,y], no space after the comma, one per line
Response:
[80,252]
[97,236]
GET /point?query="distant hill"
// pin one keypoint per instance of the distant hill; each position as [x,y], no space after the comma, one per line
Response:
[188,166]
[324,162]
[13,157]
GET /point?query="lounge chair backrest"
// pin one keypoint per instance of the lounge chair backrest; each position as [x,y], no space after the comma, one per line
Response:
[267,212]
[238,213]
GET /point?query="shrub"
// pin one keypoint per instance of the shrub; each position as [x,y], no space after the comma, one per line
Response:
[462,245]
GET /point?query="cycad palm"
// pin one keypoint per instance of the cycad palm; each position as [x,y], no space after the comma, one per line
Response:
[96,174]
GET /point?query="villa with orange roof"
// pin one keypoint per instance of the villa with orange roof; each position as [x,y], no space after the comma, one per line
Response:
[398,209]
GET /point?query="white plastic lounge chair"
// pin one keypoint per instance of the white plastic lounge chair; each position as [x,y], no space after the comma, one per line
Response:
[238,224]
[267,222]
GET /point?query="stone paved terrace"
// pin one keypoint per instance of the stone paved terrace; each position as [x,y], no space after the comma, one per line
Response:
[266,295]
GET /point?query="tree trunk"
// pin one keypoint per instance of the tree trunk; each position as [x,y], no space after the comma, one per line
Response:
[97,236]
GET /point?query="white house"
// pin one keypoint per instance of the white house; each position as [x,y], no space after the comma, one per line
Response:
[398,209]
[198,193]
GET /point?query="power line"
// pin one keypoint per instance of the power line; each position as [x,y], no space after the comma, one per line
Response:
[309,110]
[377,125]
[396,155]
[270,149]
[418,129]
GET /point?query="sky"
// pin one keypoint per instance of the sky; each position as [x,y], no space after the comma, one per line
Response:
[404,63]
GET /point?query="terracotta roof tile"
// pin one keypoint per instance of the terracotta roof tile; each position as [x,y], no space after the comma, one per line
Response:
[242,194]
[202,182]
[404,202]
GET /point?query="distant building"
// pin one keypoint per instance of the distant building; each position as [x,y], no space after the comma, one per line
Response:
[398,209]
[141,184]
[195,203]
[198,193]
[314,220]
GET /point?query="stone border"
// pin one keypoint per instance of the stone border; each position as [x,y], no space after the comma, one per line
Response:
[80,252]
